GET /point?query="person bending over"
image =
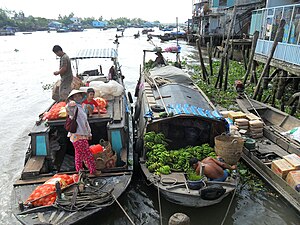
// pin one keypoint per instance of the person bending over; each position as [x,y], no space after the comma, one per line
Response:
[214,169]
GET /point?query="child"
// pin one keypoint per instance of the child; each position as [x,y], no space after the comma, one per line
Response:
[90,103]
[83,133]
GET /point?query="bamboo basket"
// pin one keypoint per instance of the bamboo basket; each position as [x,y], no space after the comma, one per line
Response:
[229,148]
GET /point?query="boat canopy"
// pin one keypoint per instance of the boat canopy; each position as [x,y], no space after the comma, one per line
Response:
[182,98]
[171,73]
[95,53]
[175,90]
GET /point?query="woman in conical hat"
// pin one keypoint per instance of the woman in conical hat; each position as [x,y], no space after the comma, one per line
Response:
[83,133]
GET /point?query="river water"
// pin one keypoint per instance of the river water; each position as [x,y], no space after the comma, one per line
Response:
[27,63]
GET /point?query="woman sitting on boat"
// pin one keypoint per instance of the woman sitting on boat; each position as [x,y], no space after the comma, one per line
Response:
[214,169]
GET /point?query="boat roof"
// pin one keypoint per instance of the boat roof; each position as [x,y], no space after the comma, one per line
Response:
[176,90]
[171,73]
[179,96]
[95,53]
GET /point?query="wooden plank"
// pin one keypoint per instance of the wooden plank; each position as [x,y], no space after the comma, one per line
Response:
[33,166]
[38,180]
[117,110]
[173,177]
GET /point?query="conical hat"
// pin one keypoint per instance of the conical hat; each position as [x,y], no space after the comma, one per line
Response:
[73,92]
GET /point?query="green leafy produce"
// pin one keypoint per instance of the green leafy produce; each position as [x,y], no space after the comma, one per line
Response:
[161,160]
[192,176]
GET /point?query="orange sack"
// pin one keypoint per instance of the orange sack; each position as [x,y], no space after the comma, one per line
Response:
[45,194]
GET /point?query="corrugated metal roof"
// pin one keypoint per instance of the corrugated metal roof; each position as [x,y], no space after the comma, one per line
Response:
[95,53]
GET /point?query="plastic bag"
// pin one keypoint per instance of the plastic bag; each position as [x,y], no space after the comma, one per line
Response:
[293,133]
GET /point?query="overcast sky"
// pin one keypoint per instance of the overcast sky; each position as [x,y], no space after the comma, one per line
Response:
[164,11]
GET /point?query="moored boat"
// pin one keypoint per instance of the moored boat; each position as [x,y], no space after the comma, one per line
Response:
[167,37]
[276,144]
[168,103]
[50,158]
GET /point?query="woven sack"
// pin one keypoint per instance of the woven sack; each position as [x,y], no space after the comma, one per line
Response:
[229,148]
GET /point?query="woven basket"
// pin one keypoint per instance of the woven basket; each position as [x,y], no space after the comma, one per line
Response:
[105,161]
[229,148]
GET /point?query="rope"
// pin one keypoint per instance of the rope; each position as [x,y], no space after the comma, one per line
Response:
[223,221]
[131,221]
[91,198]
[161,98]
[159,205]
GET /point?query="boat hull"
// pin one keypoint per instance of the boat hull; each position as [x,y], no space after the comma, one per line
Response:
[272,146]
[115,184]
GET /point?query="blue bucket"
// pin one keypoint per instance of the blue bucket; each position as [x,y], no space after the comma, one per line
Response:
[196,185]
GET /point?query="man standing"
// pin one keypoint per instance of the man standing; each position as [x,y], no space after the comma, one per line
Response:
[65,72]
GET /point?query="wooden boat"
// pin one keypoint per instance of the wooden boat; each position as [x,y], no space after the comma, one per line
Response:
[137,35]
[146,31]
[50,152]
[167,37]
[274,145]
[168,102]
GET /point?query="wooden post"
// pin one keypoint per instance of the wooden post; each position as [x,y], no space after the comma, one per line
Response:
[281,85]
[244,57]
[250,62]
[254,74]
[266,81]
[204,72]
[225,52]
[209,51]
[274,89]
[278,37]
[226,72]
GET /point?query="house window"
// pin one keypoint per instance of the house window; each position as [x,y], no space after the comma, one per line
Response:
[287,16]
[295,26]
[276,21]
[222,2]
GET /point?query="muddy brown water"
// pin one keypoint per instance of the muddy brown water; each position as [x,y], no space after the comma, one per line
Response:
[27,63]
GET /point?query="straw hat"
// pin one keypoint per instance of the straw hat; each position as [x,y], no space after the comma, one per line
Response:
[73,92]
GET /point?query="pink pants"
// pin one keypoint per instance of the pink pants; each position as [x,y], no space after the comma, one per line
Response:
[83,154]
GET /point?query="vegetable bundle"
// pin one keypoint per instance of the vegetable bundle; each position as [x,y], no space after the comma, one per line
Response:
[160,160]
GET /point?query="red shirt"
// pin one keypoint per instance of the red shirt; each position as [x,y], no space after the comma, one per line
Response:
[92,102]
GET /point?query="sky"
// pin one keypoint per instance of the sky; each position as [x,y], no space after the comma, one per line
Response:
[164,11]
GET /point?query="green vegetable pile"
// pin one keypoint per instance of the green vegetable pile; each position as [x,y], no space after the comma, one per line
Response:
[160,160]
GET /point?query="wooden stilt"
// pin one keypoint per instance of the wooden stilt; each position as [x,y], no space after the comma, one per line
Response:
[226,72]
[204,72]
[244,57]
[209,50]
[220,75]
[281,85]
[278,37]
[250,62]
[254,74]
